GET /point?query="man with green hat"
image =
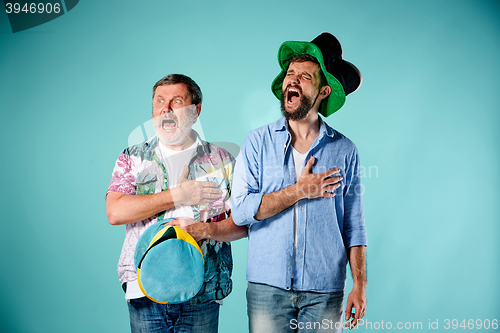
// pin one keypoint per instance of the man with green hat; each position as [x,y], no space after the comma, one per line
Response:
[298,189]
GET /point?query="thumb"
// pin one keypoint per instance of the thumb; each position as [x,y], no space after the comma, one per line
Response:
[183,177]
[308,166]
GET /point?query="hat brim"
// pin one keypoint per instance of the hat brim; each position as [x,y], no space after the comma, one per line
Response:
[335,100]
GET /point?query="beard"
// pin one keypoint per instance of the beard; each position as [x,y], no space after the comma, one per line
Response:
[184,127]
[306,104]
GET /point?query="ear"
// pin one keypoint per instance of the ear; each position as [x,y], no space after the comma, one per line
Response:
[324,92]
[198,109]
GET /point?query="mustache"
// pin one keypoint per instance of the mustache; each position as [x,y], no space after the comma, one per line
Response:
[167,116]
[293,86]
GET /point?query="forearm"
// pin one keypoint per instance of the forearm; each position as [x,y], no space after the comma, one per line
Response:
[356,301]
[276,202]
[357,261]
[223,231]
[123,208]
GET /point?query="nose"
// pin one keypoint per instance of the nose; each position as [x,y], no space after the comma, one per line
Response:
[166,109]
[294,79]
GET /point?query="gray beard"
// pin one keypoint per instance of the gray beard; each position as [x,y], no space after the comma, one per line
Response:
[176,140]
[185,128]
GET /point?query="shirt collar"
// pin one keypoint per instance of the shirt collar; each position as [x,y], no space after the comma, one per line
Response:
[324,129]
[281,125]
[203,146]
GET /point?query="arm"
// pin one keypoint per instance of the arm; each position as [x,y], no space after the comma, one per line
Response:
[124,208]
[308,186]
[128,208]
[357,297]
[250,203]
[354,235]
[223,231]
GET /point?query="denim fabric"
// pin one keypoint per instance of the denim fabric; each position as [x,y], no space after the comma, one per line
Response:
[275,310]
[147,316]
[326,227]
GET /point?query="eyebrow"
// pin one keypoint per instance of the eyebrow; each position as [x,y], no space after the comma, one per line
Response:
[175,96]
[303,72]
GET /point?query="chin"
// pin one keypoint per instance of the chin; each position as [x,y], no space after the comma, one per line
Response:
[177,139]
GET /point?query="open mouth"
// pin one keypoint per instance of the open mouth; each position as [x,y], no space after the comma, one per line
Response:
[292,95]
[168,124]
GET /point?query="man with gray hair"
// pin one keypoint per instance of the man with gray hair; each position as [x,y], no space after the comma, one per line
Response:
[175,174]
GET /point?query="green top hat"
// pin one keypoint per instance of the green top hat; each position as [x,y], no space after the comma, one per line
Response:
[342,76]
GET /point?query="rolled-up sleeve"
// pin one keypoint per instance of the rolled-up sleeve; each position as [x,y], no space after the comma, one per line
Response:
[246,195]
[354,218]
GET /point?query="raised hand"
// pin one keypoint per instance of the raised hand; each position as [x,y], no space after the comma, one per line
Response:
[192,192]
[312,186]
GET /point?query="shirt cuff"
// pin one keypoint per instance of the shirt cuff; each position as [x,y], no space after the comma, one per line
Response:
[244,213]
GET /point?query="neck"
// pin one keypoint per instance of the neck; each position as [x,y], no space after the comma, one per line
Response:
[305,128]
[188,142]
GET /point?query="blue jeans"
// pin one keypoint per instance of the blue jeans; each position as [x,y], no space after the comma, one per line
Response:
[148,316]
[276,310]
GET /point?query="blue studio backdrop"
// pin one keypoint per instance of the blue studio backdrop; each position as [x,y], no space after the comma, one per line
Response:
[425,121]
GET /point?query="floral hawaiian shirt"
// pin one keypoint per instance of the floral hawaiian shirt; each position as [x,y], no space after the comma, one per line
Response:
[139,170]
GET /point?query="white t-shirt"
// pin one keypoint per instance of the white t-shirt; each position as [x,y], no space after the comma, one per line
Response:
[298,162]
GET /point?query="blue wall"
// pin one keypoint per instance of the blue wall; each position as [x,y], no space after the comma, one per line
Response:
[425,123]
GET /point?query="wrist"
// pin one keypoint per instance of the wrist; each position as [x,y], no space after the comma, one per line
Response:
[177,196]
[293,193]
[359,284]
[210,230]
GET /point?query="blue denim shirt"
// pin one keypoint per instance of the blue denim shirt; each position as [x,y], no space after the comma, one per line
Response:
[326,226]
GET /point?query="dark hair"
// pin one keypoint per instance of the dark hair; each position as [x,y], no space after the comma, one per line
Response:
[193,89]
[308,57]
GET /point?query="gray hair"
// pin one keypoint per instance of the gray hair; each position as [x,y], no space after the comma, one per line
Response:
[193,88]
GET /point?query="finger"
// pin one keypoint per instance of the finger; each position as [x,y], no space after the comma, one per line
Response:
[208,184]
[204,201]
[362,312]
[175,222]
[348,310]
[209,192]
[331,188]
[185,221]
[209,196]
[184,175]
[308,166]
[356,317]
[332,180]
[331,172]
